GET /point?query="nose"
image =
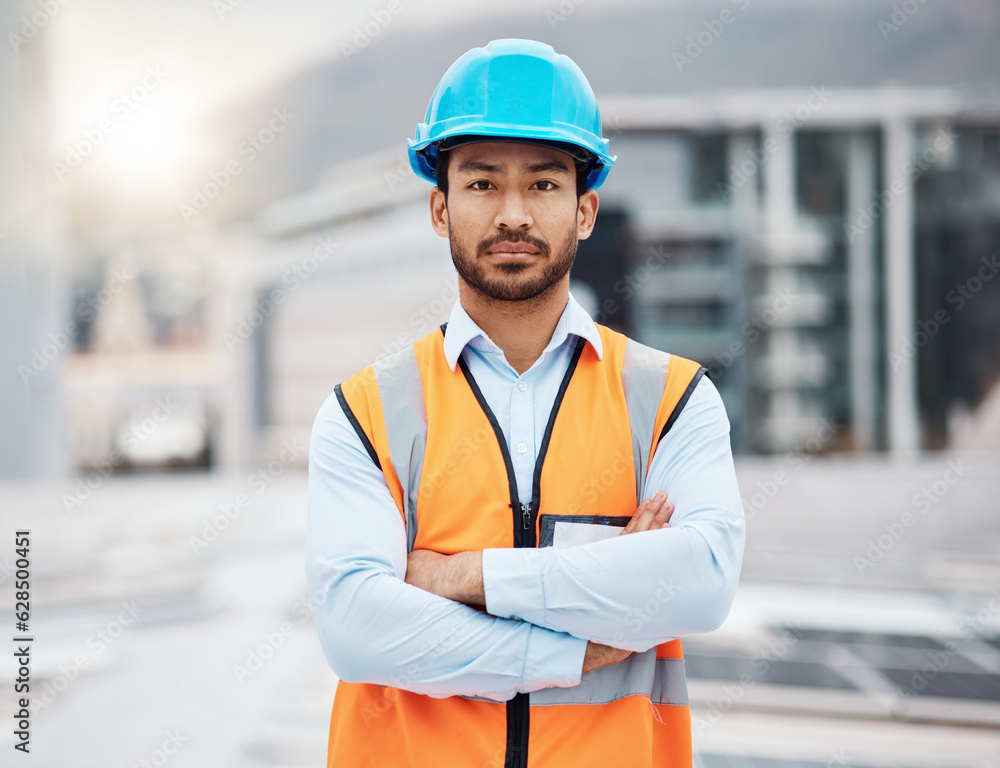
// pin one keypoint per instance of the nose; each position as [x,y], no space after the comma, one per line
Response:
[513,212]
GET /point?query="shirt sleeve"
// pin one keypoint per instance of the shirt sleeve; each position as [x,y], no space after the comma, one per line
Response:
[375,628]
[643,589]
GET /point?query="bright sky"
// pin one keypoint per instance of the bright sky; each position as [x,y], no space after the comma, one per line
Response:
[188,59]
[218,52]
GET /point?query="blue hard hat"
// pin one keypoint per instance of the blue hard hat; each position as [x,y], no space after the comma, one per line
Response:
[513,90]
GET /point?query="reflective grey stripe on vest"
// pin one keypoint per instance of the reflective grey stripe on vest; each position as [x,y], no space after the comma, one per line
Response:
[662,681]
[399,387]
[644,377]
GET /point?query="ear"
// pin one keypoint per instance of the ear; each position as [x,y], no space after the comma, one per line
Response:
[586,214]
[439,212]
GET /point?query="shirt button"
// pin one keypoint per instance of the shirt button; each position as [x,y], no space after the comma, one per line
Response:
[522,386]
[521,447]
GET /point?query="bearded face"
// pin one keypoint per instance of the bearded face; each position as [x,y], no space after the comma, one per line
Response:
[512,278]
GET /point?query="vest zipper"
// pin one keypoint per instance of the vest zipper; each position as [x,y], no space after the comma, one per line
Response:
[519,708]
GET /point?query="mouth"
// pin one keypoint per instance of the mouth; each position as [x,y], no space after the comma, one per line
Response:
[513,250]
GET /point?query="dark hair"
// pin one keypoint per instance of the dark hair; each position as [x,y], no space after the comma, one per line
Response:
[443,158]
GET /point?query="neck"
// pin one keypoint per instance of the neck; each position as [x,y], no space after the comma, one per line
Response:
[522,329]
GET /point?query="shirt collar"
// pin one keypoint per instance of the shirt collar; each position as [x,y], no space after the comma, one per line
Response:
[462,330]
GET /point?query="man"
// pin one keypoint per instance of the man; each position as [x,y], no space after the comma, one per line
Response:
[504,581]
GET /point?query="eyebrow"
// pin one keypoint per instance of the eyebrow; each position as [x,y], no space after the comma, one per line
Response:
[484,167]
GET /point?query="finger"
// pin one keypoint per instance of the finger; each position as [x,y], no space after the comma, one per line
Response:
[645,514]
[649,509]
[646,519]
[630,528]
[663,515]
[640,518]
[642,522]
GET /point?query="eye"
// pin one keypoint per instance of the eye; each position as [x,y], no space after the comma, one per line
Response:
[475,185]
[551,185]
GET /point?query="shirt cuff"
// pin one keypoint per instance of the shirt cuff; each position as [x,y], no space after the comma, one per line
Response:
[553,660]
[512,584]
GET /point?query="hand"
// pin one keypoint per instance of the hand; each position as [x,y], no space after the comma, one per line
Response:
[651,515]
[457,577]
[598,655]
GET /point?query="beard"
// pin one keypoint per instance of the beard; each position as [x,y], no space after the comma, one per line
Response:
[510,284]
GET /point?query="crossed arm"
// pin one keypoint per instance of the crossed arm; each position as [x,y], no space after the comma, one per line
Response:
[388,618]
[459,577]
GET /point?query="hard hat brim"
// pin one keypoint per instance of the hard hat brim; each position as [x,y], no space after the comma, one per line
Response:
[423,155]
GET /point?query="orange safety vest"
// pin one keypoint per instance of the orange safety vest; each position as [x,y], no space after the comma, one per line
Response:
[446,463]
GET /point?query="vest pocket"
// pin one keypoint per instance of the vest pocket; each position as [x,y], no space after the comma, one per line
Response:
[570,530]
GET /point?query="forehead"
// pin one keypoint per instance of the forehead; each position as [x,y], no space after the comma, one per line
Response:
[509,157]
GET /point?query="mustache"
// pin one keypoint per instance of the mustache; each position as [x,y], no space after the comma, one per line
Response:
[512,237]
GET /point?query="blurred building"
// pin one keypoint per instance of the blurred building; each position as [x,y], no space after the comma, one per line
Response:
[811,248]
[807,267]
[827,255]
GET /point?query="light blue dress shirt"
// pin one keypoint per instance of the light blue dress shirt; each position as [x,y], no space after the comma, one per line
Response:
[631,592]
